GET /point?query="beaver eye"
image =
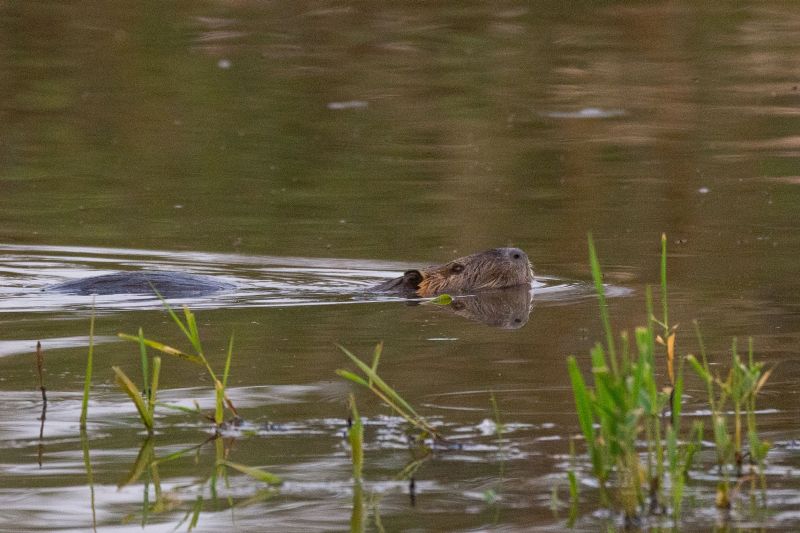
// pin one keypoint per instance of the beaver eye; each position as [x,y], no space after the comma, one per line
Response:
[457,268]
[516,256]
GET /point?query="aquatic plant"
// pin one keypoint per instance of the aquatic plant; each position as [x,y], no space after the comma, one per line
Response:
[625,407]
[624,403]
[87,382]
[191,332]
[744,381]
[372,381]
[355,435]
[145,400]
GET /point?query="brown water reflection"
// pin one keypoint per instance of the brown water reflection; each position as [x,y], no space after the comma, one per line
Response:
[406,134]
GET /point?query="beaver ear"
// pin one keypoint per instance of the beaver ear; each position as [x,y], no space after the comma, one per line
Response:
[412,279]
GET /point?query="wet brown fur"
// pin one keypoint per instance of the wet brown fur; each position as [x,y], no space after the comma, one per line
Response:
[492,269]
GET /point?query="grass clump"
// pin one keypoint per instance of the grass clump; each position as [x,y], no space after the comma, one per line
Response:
[372,381]
[188,327]
[737,391]
[632,426]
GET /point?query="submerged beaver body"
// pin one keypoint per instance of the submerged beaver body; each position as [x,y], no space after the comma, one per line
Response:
[168,284]
[493,269]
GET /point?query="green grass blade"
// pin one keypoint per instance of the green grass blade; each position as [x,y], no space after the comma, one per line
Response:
[135,395]
[376,356]
[172,313]
[677,396]
[699,369]
[597,276]
[143,355]
[163,348]
[194,333]
[87,383]
[378,382]
[153,392]
[352,377]
[355,434]
[227,370]
[253,472]
[582,401]
[219,403]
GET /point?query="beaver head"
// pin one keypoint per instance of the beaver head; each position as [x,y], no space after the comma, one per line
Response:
[492,269]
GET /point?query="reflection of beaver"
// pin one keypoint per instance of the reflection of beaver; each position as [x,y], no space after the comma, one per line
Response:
[507,308]
[492,269]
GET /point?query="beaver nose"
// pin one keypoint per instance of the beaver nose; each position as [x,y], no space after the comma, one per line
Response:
[516,254]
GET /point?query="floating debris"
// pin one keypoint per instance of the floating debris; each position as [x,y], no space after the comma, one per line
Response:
[351,104]
[587,112]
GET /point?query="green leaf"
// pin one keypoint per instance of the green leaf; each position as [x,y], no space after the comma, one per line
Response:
[352,377]
[151,397]
[442,299]
[699,369]
[582,402]
[355,435]
[376,356]
[597,276]
[253,472]
[143,356]
[378,382]
[163,348]
[135,395]
[227,370]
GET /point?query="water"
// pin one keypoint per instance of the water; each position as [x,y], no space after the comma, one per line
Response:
[306,151]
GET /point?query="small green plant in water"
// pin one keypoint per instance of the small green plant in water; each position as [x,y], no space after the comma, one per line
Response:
[372,381]
[188,327]
[624,408]
[355,435]
[625,402]
[145,402]
[744,381]
[87,383]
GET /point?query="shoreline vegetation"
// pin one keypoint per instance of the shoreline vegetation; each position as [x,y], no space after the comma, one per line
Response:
[640,453]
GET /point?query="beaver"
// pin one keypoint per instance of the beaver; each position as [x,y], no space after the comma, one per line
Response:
[168,284]
[492,269]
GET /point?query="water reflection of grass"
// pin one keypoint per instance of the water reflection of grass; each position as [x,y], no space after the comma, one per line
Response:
[632,428]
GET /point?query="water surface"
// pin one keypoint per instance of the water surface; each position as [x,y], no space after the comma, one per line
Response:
[307,150]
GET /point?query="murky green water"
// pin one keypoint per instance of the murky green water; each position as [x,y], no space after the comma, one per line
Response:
[306,150]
